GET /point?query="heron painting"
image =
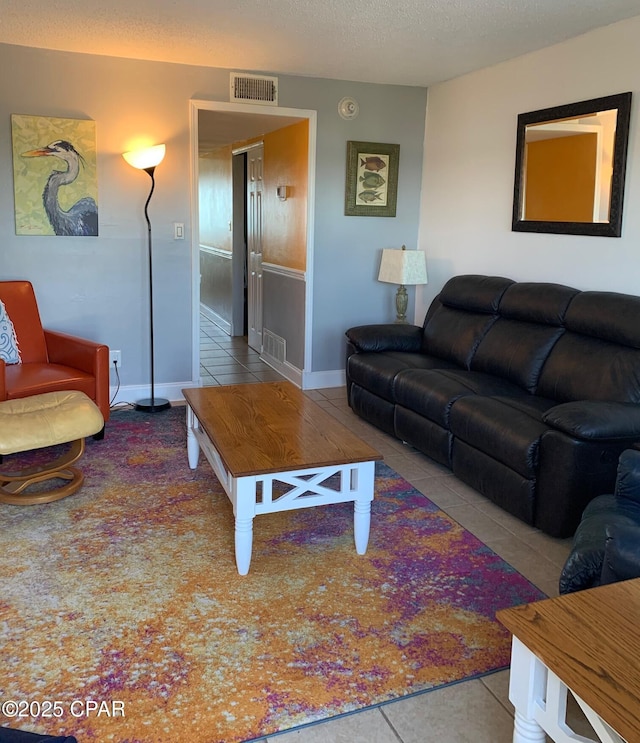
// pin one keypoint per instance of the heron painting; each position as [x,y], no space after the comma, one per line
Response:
[54,163]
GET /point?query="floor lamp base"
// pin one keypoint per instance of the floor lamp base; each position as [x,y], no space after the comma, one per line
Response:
[157,405]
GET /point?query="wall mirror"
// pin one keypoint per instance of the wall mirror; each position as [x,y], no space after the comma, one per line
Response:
[570,168]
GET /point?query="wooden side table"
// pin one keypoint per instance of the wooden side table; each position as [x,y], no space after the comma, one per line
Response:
[586,643]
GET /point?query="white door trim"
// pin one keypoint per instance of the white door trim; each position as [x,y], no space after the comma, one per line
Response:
[255,188]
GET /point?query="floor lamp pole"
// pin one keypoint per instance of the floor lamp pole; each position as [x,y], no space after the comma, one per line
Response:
[153,404]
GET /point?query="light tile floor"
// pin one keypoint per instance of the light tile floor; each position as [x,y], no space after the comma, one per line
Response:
[227,360]
[476,711]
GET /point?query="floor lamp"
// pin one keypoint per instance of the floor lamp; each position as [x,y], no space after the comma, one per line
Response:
[147,160]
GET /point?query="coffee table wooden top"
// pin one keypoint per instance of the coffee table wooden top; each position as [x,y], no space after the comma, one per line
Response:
[273,427]
[590,640]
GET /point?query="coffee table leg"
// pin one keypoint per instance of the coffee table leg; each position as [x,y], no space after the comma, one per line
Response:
[193,448]
[365,474]
[361,525]
[527,685]
[244,509]
[244,541]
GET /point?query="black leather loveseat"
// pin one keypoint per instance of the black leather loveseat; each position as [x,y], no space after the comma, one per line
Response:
[529,392]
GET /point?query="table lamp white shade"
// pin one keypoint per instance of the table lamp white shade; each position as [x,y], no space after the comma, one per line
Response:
[403,267]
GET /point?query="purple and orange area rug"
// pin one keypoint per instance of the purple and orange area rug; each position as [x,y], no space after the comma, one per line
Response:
[123,618]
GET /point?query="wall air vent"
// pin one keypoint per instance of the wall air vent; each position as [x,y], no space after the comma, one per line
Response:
[274,346]
[254,89]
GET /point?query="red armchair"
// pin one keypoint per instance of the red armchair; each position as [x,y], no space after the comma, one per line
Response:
[50,361]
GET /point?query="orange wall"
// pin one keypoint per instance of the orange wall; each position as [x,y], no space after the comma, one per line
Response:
[285,222]
[216,198]
[561,179]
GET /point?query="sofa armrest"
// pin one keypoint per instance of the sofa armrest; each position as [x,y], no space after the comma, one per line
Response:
[386,337]
[85,355]
[628,478]
[621,553]
[69,350]
[596,419]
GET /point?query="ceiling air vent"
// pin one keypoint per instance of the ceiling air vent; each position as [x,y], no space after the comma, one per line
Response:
[254,89]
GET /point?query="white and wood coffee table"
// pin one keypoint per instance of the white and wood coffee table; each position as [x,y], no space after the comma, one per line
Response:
[585,643]
[257,436]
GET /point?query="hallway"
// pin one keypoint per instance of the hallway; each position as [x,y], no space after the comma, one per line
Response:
[229,360]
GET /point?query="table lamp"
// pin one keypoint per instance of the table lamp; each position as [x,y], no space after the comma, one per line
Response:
[403,267]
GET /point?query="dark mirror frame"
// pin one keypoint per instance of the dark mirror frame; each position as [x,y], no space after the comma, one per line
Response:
[612,228]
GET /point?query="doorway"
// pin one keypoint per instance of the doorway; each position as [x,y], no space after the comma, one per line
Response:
[226,124]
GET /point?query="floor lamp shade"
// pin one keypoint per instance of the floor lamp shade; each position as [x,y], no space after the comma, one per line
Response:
[406,268]
[146,160]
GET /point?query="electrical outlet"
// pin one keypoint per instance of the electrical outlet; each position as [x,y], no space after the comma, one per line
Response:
[115,357]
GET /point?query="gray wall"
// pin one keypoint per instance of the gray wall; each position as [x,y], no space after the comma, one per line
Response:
[215,284]
[98,287]
[283,311]
[347,249]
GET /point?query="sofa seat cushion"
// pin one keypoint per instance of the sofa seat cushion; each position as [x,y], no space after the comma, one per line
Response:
[376,372]
[24,380]
[508,433]
[433,393]
[533,405]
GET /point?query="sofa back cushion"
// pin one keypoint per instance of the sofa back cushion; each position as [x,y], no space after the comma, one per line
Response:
[546,304]
[516,351]
[519,342]
[598,357]
[460,316]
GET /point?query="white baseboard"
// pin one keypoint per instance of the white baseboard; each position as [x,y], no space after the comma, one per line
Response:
[288,371]
[131,393]
[216,318]
[306,380]
[173,391]
[324,379]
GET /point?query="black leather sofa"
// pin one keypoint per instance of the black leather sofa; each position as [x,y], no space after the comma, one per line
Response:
[606,545]
[528,392]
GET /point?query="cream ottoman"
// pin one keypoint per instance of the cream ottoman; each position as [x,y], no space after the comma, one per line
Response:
[35,423]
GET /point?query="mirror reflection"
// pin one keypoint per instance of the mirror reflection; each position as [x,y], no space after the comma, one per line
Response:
[570,164]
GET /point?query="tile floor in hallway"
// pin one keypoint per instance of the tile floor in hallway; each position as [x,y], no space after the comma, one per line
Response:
[476,711]
[227,360]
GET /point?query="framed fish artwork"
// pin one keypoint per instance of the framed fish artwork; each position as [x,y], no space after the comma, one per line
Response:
[372,179]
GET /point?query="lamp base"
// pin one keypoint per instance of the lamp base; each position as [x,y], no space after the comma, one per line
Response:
[157,405]
[402,301]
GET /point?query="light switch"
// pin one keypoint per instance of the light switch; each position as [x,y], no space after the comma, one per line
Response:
[178,230]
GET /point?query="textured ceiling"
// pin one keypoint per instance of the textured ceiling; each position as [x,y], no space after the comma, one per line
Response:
[406,42]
